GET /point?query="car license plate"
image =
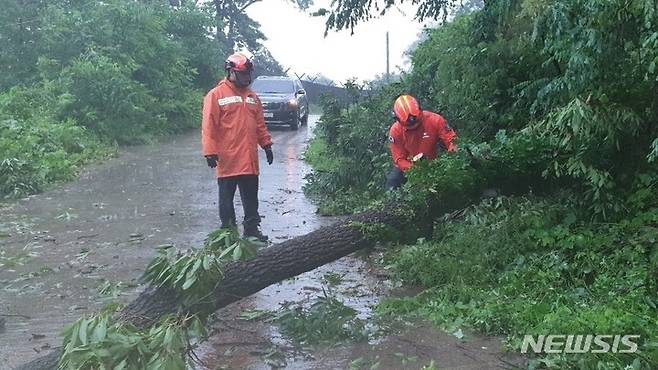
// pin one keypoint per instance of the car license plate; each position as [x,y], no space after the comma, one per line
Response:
[268,115]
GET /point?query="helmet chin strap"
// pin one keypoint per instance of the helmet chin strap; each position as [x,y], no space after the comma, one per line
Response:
[241,79]
[243,82]
[414,126]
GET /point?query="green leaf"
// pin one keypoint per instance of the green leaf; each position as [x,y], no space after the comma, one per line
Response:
[100,330]
[188,283]
[227,251]
[168,338]
[357,363]
[122,365]
[102,352]
[196,266]
[84,323]
[254,314]
[237,253]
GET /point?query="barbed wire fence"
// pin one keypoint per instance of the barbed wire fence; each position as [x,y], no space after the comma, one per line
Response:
[347,92]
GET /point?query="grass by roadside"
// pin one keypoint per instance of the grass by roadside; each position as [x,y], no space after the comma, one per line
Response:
[322,187]
[39,154]
[528,266]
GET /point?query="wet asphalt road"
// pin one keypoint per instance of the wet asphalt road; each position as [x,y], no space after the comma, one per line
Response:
[58,247]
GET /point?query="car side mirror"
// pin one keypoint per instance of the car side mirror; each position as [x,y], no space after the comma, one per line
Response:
[301,92]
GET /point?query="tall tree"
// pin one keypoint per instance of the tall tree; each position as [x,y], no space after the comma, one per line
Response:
[236,30]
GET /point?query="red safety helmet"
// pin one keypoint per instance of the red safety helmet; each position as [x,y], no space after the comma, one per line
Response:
[238,62]
[406,110]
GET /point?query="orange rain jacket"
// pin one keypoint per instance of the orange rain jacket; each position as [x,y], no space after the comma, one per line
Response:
[406,143]
[232,127]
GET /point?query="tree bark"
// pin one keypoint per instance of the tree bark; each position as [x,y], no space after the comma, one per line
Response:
[220,35]
[271,265]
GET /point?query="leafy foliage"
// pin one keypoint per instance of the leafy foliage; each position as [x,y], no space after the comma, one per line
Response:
[347,14]
[96,342]
[561,75]
[194,274]
[81,76]
[326,321]
[551,99]
[517,266]
[36,147]
[601,112]
[473,82]
[127,76]
[349,153]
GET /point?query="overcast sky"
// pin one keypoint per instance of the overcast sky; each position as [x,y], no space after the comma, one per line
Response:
[297,40]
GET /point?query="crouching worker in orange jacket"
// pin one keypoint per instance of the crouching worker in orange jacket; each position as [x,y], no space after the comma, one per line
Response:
[232,128]
[415,135]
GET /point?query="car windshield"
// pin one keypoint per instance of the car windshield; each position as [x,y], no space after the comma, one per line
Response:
[273,86]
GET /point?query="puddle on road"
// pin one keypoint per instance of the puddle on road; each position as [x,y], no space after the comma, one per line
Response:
[241,343]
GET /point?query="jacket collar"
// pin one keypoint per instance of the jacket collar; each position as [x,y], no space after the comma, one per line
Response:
[239,90]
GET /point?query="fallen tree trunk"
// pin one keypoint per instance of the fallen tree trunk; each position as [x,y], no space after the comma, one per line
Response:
[271,265]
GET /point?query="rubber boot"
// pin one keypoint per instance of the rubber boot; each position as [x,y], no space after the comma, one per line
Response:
[254,232]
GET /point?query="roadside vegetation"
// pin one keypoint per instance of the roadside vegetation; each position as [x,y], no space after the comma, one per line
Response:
[81,77]
[555,106]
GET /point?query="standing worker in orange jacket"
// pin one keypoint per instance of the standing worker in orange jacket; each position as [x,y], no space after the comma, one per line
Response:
[232,128]
[415,135]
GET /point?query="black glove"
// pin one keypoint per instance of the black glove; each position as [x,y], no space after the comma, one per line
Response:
[212,160]
[269,154]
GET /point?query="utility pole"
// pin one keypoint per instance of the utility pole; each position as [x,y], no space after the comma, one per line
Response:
[387,59]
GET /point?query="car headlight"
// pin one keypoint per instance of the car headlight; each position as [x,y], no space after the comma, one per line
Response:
[292,103]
